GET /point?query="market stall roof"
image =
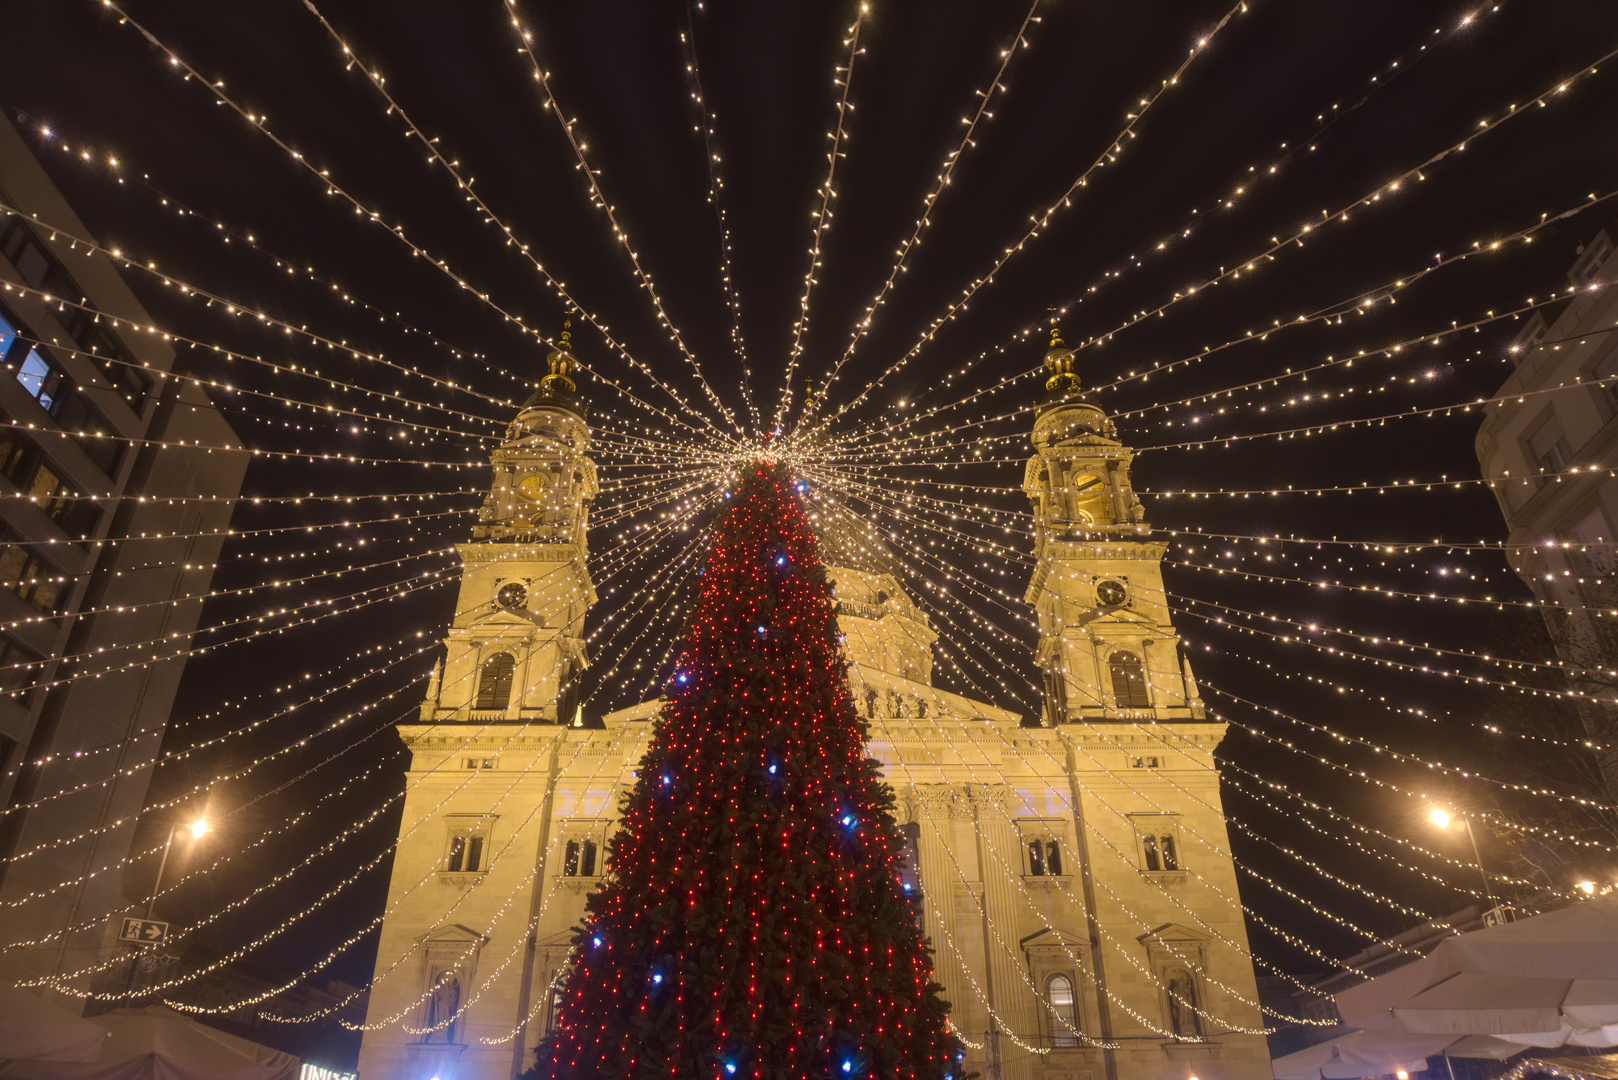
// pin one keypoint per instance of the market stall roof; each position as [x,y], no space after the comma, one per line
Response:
[157,1043]
[1548,980]
[32,1029]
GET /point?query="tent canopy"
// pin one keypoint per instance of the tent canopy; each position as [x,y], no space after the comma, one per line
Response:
[1543,981]
[156,1043]
[32,1029]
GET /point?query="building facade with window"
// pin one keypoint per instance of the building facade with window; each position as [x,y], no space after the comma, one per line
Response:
[1548,448]
[1072,870]
[107,542]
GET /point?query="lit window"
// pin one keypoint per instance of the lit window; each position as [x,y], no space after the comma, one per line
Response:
[42,379]
[1060,1006]
[494,682]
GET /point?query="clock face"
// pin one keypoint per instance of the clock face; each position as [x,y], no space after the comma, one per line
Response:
[512,594]
[1111,593]
[532,486]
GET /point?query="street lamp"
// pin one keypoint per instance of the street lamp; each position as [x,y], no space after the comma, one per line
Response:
[198,829]
[1443,818]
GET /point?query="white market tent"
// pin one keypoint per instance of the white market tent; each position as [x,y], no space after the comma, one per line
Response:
[32,1029]
[1549,980]
[156,1043]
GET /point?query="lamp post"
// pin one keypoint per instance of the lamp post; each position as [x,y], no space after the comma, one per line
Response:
[1443,819]
[198,829]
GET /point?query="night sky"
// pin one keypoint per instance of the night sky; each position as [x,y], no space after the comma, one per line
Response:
[1302,107]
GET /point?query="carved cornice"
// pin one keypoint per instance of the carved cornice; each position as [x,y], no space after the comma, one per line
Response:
[957,802]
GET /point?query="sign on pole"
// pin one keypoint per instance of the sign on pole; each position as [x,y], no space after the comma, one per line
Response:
[143,931]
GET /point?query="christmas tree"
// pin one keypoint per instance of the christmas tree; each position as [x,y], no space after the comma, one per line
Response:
[752,923]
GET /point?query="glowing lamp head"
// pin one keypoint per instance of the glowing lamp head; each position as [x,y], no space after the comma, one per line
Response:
[657,977]
[848,819]
[848,1067]
[730,1067]
[1588,888]
[1440,817]
[199,828]
[780,560]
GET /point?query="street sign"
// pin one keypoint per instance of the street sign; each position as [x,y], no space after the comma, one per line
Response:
[143,931]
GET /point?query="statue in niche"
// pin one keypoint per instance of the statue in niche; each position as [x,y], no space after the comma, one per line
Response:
[442,1005]
[1183,1018]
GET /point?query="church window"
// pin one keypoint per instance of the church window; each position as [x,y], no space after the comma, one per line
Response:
[1159,842]
[579,859]
[468,847]
[1044,855]
[494,682]
[1182,1004]
[1128,681]
[1060,1007]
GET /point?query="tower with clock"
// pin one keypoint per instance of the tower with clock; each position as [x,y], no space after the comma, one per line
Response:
[1072,869]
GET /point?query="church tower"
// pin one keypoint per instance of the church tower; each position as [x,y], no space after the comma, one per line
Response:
[454,964]
[1167,976]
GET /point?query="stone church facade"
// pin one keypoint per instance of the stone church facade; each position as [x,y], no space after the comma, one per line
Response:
[1074,868]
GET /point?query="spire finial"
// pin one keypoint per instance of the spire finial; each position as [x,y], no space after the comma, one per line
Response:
[1062,383]
[560,362]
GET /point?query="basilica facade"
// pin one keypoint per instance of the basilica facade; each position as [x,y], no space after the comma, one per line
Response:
[1074,870]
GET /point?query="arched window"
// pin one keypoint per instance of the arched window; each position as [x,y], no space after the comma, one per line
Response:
[1129,681]
[494,682]
[1182,993]
[1064,1020]
[1171,858]
[1154,861]
[1036,858]
[1053,858]
[579,859]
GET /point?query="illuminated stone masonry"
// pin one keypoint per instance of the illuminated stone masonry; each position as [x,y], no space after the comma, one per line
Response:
[1074,877]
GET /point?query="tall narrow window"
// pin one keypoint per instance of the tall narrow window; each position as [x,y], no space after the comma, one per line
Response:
[1036,858]
[1064,1020]
[587,859]
[474,853]
[1128,681]
[570,859]
[1182,994]
[457,854]
[1149,848]
[494,683]
[1053,858]
[1171,858]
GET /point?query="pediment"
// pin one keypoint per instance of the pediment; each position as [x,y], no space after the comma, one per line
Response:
[1173,932]
[452,933]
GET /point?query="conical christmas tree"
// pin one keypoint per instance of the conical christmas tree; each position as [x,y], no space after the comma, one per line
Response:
[752,923]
